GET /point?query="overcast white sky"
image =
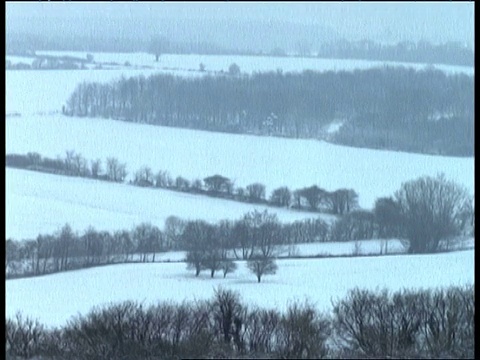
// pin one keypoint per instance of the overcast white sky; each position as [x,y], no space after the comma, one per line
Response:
[388,21]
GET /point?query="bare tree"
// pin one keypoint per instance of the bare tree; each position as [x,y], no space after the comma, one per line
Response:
[194,239]
[256,192]
[388,217]
[343,201]
[148,239]
[281,197]
[197,185]
[115,170]
[182,184]
[174,228]
[80,165]
[260,266]
[356,225]
[431,209]
[304,333]
[217,183]
[125,242]
[95,167]
[162,179]
[66,238]
[144,176]
[23,337]
[228,266]
[228,314]
[314,196]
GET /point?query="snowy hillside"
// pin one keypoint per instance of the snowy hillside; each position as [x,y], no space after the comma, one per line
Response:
[43,203]
[59,297]
[245,159]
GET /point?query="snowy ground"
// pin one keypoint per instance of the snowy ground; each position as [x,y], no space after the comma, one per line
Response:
[245,159]
[54,299]
[43,203]
[247,64]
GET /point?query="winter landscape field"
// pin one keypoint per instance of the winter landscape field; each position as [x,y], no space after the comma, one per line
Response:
[320,273]
[42,203]
[59,297]
[245,159]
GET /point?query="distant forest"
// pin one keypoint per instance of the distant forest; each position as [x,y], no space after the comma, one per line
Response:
[397,108]
[452,53]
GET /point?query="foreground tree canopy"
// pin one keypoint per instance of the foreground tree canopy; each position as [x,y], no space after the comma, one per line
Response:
[364,324]
[391,108]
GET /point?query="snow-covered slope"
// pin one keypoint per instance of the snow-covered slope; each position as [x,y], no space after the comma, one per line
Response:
[54,299]
[43,203]
[245,159]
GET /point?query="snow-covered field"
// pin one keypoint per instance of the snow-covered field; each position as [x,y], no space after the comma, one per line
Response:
[247,64]
[245,159]
[43,203]
[54,299]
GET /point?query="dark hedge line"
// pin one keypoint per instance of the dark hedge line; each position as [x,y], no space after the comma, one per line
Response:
[365,324]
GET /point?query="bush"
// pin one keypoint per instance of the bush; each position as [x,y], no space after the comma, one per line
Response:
[24,337]
[303,333]
[435,324]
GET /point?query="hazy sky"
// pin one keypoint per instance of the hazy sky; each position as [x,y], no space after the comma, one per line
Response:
[388,21]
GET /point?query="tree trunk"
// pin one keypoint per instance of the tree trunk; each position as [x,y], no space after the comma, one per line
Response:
[259,277]
[212,273]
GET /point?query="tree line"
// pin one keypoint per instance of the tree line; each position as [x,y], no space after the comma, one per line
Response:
[256,237]
[390,108]
[429,213]
[312,198]
[436,323]
[453,53]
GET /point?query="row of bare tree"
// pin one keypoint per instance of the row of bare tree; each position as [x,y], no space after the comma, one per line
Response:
[365,324]
[313,198]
